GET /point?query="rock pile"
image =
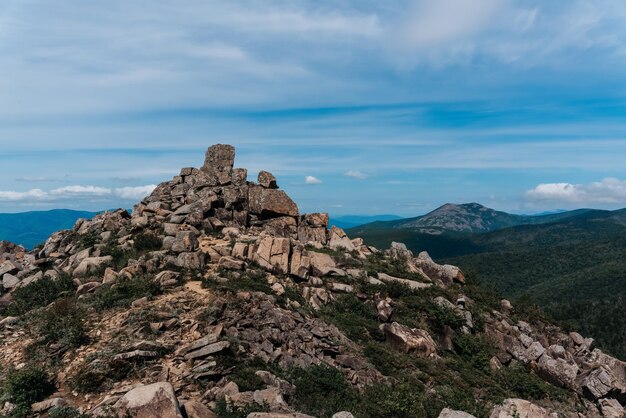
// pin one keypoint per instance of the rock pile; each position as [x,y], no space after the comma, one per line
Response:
[211,224]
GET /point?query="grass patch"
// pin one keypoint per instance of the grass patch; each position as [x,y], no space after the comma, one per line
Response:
[62,323]
[25,387]
[123,292]
[40,293]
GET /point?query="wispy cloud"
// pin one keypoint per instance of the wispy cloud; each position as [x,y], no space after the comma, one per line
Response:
[312,180]
[608,190]
[77,192]
[355,174]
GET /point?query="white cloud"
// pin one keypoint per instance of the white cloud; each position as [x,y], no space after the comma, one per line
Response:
[76,192]
[80,190]
[135,193]
[355,174]
[312,180]
[608,190]
[33,194]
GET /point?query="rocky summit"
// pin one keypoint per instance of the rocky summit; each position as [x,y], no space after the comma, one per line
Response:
[216,297]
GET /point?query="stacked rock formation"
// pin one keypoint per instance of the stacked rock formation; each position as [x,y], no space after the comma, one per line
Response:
[211,224]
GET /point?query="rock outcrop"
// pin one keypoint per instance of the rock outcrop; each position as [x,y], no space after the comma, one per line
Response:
[212,272]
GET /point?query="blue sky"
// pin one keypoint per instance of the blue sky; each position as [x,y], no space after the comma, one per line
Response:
[358,107]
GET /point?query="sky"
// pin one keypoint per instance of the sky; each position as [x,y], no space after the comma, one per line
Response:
[358,107]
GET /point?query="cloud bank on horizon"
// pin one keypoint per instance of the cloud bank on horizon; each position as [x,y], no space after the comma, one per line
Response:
[393,107]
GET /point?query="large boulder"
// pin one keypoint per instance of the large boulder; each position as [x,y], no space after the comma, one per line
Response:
[449,413]
[557,371]
[339,240]
[195,409]
[300,264]
[611,408]
[444,275]
[597,383]
[270,203]
[155,400]
[321,264]
[92,264]
[9,281]
[267,180]
[410,339]
[519,408]
[218,163]
[273,254]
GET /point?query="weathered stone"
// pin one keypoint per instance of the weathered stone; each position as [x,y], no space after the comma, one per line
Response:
[445,275]
[135,354]
[48,404]
[321,264]
[412,284]
[343,414]
[519,408]
[219,158]
[267,180]
[31,279]
[449,413]
[270,203]
[230,263]
[208,350]
[87,287]
[92,264]
[273,254]
[384,310]
[315,219]
[341,287]
[557,371]
[300,264]
[270,397]
[155,400]
[597,383]
[283,226]
[186,241]
[611,408]
[9,281]
[9,320]
[195,409]
[8,267]
[534,351]
[191,261]
[410,339]
[312,235]
[339,240]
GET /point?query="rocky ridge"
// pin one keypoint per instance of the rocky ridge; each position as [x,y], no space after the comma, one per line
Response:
[213,275]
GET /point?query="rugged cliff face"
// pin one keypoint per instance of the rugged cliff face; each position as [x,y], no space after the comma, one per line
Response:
[216,296]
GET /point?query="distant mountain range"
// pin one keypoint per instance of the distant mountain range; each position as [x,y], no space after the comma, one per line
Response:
[471,217]
[571,263]
[32,228]
[351,221]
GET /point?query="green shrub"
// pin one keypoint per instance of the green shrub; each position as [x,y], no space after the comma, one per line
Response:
[359,321]
[224,409]
[322,391]
[123,292]
[403,399]
[99,375]
[474,350]
[27,386]
[249,280]
[39,293]
[62,323]
[244,376]
[147,242]
[455,397]
[523,383]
